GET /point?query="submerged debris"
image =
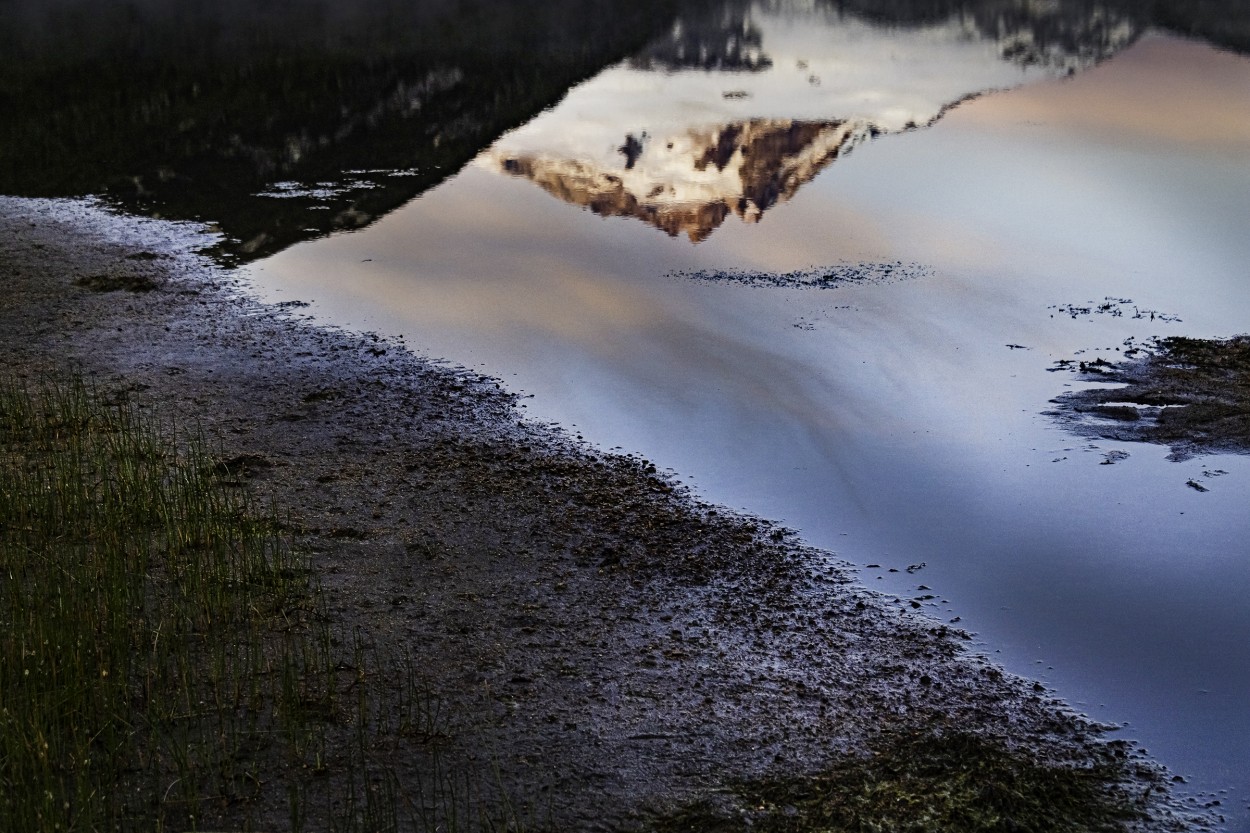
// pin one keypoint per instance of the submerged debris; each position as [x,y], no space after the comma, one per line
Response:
[814,277]
[1115,307]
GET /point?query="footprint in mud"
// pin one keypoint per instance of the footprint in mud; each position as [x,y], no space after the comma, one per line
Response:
[118,282]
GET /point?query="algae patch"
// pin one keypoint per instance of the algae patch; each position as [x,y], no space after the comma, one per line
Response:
[812,277]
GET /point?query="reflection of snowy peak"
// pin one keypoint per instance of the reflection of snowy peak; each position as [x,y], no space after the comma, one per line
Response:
[733,114]
[690,182]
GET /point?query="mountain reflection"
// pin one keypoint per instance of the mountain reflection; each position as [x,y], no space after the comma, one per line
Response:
[698,179]
[736,108]
[290,120]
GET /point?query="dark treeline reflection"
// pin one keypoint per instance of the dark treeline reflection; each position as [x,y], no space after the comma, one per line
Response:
[332,112]
[289,119]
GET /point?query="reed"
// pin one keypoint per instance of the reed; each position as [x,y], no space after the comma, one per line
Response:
[166,661]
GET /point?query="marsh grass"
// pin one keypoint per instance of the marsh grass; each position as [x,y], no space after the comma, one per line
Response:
[930,783]
[145,609]
[166,659]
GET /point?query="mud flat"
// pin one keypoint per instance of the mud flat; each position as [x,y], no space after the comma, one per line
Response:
[1187,393]
[597,649]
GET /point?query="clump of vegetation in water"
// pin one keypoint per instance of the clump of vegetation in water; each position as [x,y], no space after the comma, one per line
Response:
[1191,394]
[927,783]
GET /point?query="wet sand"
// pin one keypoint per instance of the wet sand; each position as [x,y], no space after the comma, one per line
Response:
[604,646]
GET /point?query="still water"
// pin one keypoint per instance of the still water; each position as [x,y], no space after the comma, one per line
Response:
[632,260]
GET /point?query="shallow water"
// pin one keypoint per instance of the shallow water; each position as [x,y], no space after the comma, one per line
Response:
[900,421]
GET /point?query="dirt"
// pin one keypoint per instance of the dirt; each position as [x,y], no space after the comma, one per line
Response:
[601,645]
[1190,394]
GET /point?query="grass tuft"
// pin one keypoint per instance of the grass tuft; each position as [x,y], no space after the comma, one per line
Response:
[139,601]
[167,661]
[926,783]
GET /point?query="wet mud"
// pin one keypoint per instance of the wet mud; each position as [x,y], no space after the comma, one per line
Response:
[1187,393]
[602,647]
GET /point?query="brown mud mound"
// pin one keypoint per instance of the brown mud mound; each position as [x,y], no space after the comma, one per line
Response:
[584,645]
[1188,393]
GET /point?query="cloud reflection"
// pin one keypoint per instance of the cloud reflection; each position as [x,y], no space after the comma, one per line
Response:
[1202,88]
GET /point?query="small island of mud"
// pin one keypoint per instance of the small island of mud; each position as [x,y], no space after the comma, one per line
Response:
[1188,393]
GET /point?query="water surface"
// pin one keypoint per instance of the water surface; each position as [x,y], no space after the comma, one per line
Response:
[894,421]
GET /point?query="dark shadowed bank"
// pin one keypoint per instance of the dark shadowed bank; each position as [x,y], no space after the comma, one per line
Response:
[595,649]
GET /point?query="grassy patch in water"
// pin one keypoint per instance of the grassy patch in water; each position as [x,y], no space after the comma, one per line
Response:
[927,783]
[1189,393]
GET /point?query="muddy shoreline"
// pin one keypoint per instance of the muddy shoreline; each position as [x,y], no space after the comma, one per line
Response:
[602,645]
